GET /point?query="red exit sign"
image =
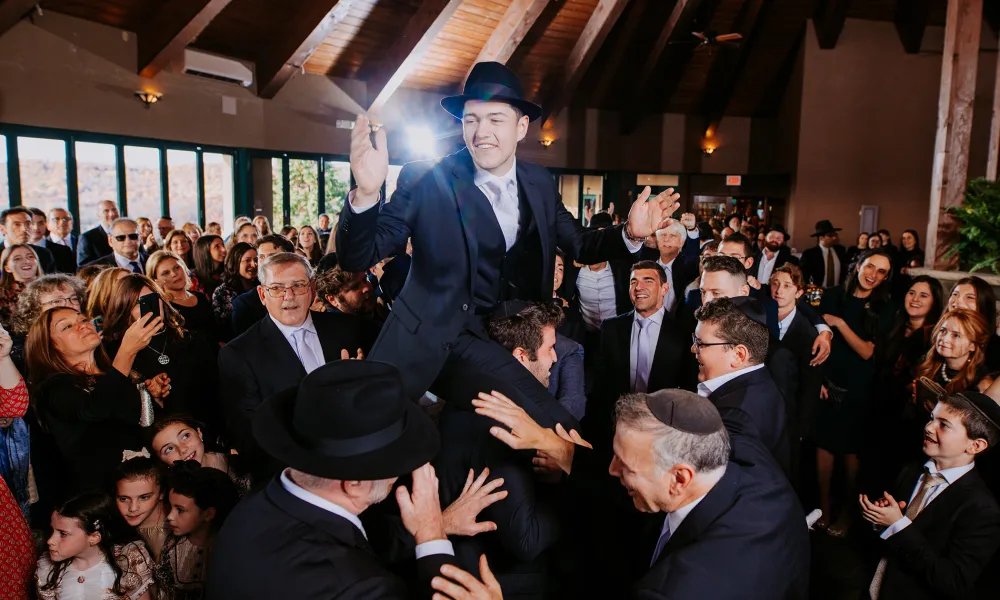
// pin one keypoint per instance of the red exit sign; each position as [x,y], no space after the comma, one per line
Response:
[734,179]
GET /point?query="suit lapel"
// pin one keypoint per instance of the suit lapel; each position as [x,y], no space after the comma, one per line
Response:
[662,352]
[466,194]
[284,359]
[624,340]
[537,203]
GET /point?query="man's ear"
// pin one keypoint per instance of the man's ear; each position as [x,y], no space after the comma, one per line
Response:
[522,355]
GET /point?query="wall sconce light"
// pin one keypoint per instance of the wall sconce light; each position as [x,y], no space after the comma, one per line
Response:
[546,142]
[708,150]
[148,98]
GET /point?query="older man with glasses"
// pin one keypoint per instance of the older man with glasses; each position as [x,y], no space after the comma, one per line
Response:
[279,350]
[125,252]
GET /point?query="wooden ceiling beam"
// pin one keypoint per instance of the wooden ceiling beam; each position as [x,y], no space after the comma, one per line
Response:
[829,18]
[168,32]
[410,46]
[729,64]
[636,13]
[514,26]
[12,11]
[601,21]
[911,18]
[302,34]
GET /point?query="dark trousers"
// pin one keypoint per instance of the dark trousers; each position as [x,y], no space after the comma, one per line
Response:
[481,365]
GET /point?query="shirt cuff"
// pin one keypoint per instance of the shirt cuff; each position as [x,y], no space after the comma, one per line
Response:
[892,529]
[435,547]
[633,247]
[354,209]
[823,327]
[694,234]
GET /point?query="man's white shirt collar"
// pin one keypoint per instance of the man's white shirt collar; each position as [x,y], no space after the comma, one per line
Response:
[306,496]
[705,388]
[288,331]
[785,323]
[950,475]
[126,263]
[483,176]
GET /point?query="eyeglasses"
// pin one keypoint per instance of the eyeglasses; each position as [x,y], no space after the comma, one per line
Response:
[278,291]
[67,301]
[130,236]
[63,219]
[698,344]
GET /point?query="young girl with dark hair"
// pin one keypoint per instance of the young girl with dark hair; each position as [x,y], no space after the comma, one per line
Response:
[139,495]
[200,499]
[91,555]
[179,438]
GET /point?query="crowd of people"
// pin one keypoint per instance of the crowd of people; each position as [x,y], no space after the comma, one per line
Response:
[190,415]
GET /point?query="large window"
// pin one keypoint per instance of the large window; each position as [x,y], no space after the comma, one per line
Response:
[43,172]
[338,183]
[303,191]
[182,174]
[4,193]
[390,180]
[96,180]
[219,197]
[142,182]
[277,193]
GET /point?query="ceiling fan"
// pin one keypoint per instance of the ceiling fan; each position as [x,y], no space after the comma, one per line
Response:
[710,38]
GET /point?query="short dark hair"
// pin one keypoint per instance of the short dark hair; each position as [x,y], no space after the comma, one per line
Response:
[976,425]
[550,313]
[712,246]
[652,266]
[36,212]
[13,210]
[793,271]
[208,487]
[523,330]
[729,264]
[332,282]
[739,238]
[883,231]
[281,243]
[735,328]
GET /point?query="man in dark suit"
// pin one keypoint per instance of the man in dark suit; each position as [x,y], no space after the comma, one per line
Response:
[796,334]
[60,227]
[126,251]
[730,344]
[347,433]
[64,258]
[15,225]
[826,263]
[93,244]
[642,350]
[278,351]
[247,307]
[484,228]
[942,525]
[774,255]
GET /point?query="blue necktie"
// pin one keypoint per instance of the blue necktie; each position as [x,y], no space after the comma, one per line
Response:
[662,542]
[135,267]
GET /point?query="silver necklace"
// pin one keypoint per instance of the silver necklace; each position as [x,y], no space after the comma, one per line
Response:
[163,358]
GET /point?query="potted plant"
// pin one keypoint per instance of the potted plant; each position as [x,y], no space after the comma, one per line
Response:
[978,247]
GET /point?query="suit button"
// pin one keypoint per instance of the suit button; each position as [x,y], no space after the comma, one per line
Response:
[465,307]
[446,347]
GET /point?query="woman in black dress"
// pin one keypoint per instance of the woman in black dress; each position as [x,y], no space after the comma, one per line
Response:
[185,358]
[240,276]
[168,270]
[860,314]
[86,402]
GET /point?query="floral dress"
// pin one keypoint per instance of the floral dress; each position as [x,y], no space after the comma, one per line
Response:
[17,549]
[15,443]
[182,570]
[96,582]
[8,302]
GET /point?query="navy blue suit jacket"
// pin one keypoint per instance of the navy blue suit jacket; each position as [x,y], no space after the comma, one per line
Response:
[752,405]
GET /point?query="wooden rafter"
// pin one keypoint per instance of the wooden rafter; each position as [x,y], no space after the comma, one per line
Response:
[601,21]
[729,64]
[406,52]
[911,21]
[636,13]
[12,11]
[169,32]
[516,23]
[304,32]
[829,18]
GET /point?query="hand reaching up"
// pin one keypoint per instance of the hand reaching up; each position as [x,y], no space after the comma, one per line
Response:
[460,516]
[649,214]
[369,164]
[421,508]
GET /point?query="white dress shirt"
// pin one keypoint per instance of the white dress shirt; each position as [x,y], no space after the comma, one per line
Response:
[66,241]
[125,263]
[311,339]
[766,267]
[836,266]
[705,388]
[785,323]
[422,550]
[670,300]
[950,476]
[596,290]
[650,331]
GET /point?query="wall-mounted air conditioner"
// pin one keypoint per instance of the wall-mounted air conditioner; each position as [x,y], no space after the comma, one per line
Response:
[216,67]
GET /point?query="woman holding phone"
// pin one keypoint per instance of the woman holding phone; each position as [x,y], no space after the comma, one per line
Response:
[183,360]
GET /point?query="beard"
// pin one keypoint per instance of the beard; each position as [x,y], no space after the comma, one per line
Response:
[540,372]
[773,246]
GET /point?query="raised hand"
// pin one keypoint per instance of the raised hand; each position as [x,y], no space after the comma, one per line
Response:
[421,509]
[460,516]
[649,214]
[345,355]
[689,221]
[457,584]
[370,165]
[524,434]
[158,387]
[6,343]
[139,333]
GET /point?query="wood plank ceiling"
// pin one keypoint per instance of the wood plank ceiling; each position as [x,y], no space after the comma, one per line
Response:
[637,56]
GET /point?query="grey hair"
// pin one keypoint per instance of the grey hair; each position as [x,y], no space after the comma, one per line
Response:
[121,220]
[672,446]
[29,305]
[282,259]
[680,229]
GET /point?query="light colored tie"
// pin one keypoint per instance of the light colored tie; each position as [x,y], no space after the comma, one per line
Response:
[671,299]
[641,357]
[304,351]
[505,208]
[662,542]
[928,482]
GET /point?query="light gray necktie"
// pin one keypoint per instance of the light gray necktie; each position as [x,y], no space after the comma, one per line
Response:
[304,351]
[662,541]
[642,356]
[505,208]
[670,301]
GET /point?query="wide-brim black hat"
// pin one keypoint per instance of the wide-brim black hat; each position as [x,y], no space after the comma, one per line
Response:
[492,81]
[347,420]
[824,227]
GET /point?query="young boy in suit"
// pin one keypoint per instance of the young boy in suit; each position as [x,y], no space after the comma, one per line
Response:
[943,526]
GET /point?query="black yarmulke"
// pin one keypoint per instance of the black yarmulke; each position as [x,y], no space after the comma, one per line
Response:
[685,411]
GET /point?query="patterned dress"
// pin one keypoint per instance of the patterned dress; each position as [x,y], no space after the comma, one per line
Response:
[8,301]
[96,582]
[17,549]
[182,570]
[15,443]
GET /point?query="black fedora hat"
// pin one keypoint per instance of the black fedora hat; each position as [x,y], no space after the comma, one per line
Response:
[492,81]
[348,420]
[824,227]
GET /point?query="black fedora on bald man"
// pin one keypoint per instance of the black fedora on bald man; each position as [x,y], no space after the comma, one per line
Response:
[484,226]
[825,264]
[347,421]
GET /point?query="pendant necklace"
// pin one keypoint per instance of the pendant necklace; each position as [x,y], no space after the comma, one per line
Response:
[163,358]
